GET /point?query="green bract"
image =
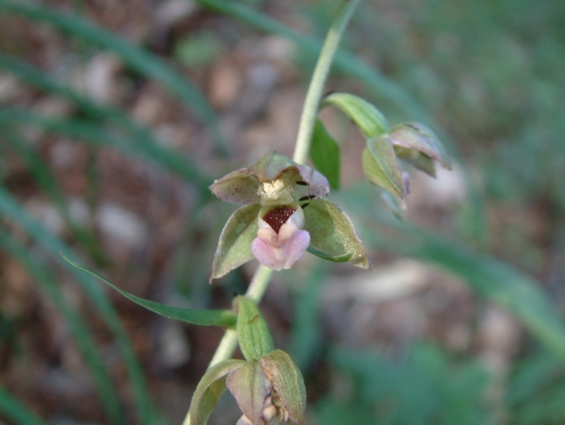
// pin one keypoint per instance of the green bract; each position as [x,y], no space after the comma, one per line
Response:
[264,388]
[253,333]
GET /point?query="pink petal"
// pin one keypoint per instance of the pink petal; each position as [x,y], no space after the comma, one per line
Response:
[277,252]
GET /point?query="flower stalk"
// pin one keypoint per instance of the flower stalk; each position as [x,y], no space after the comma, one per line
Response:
[263,274]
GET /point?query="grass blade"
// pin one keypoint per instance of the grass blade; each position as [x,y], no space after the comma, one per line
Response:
[501,284]
[16,411]
[79,330]
[89,107]
[195,317]
[48,184]
[96,135]
[137,58]
[53,245]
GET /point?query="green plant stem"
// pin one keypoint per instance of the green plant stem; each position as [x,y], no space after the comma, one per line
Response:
[263,274]
[310,111]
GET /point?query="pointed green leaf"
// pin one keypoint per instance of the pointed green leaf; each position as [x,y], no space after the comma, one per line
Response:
[325,154]
[209,390]
[332,233]
[413,140]
[255,340]
[234,247]
[381,166]
[287,383]
[370,121]
[249,386]
[196,317]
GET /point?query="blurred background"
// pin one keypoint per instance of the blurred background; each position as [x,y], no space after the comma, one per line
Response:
[117,115]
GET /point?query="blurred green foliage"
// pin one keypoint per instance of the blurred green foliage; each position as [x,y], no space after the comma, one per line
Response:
[422,388]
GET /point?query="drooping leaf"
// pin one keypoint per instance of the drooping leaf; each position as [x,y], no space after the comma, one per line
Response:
[234,247]
[195,317]
[381,166]
[255,340]
[209,390]
[332,233]
[325,154]
[370,121]
[286,382]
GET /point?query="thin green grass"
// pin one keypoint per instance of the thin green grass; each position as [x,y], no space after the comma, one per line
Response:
[17,412]
[9,208]
[99,136]
[80,332]
[135,57]
[492,279]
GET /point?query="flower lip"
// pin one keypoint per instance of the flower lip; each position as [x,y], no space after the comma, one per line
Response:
[276,217]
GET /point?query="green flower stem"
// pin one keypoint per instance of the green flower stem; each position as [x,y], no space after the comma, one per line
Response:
[310,111]
[262,276]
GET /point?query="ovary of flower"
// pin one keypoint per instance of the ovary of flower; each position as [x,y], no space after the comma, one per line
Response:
[274,193]
[282,250]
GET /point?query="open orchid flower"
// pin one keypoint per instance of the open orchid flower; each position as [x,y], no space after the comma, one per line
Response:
[274,224]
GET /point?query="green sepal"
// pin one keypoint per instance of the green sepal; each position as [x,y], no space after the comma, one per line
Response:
[332,233]
[253,334]
[195,317]
[336,259]
[325,154]
[270,166]
[381,166]
[210,389]
[286,382]
[249,386]
[370,121]
[238,187]
[419,145]
[234,247]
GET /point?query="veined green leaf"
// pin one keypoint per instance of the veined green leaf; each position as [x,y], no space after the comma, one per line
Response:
[195,317]
[325,154]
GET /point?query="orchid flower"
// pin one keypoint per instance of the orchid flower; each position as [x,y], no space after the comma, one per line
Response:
[274,224]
